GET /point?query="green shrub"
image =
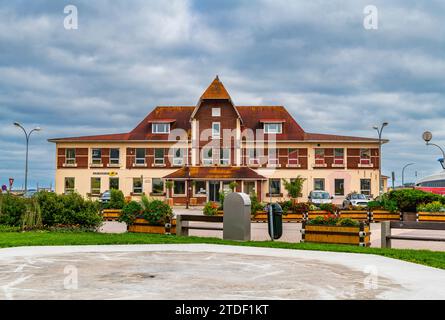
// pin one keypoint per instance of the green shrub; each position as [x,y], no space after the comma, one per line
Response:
[294,187]
[301,207]
[130,212]
[210,209]
[331,220]
[408,199]
[156,212]
[117,199]
[435,206]
[384,203]
[222,196]
[69,209]
[6,228]
[255,205]
[12,209]
[286,206]
[32,219]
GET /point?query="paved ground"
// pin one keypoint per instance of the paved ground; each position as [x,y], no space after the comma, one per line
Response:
[209,272]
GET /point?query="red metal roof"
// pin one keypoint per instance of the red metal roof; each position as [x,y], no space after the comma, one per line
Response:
[252,117]
[215,173]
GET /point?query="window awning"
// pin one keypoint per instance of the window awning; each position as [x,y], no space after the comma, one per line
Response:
[215,173]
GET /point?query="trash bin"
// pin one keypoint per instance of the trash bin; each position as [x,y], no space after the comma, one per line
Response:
[276,225]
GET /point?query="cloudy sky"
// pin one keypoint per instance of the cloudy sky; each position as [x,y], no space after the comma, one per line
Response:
[314,57]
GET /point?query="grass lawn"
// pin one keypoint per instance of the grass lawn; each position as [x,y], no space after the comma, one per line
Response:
[46,238]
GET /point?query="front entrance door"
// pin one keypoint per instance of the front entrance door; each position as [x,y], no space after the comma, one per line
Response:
[214,191]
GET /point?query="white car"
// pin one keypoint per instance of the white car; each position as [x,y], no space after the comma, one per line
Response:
[320,197]
[356,200]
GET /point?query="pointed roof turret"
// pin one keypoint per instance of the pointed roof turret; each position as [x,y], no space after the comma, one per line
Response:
[216,90]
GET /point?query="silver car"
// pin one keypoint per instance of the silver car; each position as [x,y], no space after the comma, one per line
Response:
[355,200]
[320,197]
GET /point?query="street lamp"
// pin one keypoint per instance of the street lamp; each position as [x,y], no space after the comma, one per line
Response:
[403,172]
[379,131]
[427,137]
[27,135]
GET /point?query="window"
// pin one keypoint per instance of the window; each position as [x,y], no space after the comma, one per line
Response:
[137,185]
[178,157]
[157,186]
[365,186]
[96,156]
[249,187]
[70,156]
[95,186]
[339,155]
[140,156]
[216,112]
[207,156]
[319,156]
[114,183]
[216,129]
[159,156]
[224,157]
[200,187]
[275,186]
[253,156]
[319,184]
[339,187]
[161,128]
[273,128]
[272,158]
[365,156]
[114,156]
[69,185]
[293,156]
[179,187]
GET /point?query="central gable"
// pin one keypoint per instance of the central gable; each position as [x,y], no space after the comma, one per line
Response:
[215,95]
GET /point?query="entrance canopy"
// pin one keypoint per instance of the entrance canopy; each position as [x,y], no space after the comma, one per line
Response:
[215,173]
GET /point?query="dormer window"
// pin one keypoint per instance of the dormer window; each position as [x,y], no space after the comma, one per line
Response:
[273,128]
[161,128]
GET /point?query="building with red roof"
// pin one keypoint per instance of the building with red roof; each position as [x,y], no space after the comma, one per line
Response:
[203,148]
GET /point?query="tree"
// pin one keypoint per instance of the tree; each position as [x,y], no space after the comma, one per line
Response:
[294,187]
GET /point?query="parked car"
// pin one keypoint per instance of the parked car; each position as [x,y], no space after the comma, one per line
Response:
[105,197]
[356,200]
[320,197]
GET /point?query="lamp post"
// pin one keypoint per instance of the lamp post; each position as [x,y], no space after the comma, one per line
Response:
[380,131]
[27,135]
[403,172]
[427,137]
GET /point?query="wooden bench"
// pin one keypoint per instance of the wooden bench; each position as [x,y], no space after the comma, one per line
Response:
[386,226]
[183,223]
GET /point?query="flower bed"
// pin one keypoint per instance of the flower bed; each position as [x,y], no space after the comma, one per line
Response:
[331,229]
[141,225]
[434,212]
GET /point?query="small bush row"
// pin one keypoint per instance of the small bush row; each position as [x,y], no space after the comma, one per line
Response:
[156,212]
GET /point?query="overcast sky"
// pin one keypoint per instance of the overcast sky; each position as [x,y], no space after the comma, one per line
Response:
[314,57]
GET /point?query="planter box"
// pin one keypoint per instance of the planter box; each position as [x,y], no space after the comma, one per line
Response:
[141,226]
[220,213]
[316,213]
[111,214]
[359,236]
[383,215]
[431,216]
[293,217]
[193,201]
[358,215]
[260,216]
